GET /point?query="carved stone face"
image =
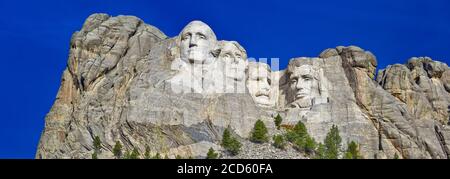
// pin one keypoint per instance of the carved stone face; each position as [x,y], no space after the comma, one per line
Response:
[304,83]
[197,40]
[259,84]
[234,58]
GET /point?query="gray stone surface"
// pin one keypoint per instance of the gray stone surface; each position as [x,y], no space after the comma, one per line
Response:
[121,75]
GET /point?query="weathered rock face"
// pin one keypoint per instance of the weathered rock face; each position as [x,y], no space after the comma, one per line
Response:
[419,88]
[126,81]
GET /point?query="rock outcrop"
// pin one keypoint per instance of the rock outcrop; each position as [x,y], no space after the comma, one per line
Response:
[127,81]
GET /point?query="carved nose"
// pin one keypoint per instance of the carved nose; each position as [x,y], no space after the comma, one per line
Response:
[265,86]
[299,86]
[192,43]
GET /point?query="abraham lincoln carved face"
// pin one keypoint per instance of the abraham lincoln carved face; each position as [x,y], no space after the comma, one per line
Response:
[307,85]
[304,82]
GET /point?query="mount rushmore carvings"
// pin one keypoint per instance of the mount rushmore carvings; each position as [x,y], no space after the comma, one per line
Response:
[206,65]
[196,42]
[127,81]
[234,62]
[307,84]
[260,84]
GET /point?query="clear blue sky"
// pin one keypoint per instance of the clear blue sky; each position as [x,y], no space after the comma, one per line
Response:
[35,39]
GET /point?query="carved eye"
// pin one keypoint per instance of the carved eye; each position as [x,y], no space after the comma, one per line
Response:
[238,55]
[201,36]
[294,80]
[227,55]
[185,37]
[306,77]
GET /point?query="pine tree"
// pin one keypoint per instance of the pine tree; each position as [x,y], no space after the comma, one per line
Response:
[300,129]
[230,143]
[333,143]
[396,156]
[235,146]
[299,144]
[212,154]
[259,134]
[117,150]
[135,154]
[166,156]
[352,151]
[278,121]
[94,155]
[291,136]
[310,145]
[279,142]
[226,138]
[157,156]
[320,152]
[97,146]
[298,133]
[178,157]
[127,155]
[97,143]
[147,152]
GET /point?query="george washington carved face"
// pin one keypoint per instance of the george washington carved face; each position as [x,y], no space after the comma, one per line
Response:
[197,41]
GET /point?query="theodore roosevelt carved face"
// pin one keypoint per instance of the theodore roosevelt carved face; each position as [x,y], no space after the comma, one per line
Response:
[259,83]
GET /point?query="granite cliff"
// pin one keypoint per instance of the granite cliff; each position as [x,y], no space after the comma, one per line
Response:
[127,81]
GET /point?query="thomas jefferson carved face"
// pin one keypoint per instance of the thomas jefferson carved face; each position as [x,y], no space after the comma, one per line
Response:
[197,41]
[259,83]
[235,60]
